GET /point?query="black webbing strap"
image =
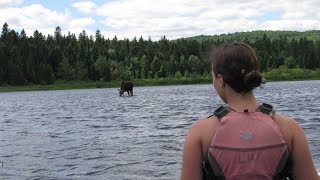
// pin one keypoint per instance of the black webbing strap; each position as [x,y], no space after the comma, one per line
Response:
[211,169]
[221,111]
[284,167]
[265,108]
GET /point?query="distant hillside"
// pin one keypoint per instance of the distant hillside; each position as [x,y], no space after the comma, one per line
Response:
[252,36]
[43,60]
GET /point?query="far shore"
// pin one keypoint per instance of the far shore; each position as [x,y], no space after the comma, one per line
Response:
[66,85]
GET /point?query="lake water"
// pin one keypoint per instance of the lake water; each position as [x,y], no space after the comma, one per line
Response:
[95,134]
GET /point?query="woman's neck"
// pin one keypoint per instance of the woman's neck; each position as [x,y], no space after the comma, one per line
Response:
[240,102]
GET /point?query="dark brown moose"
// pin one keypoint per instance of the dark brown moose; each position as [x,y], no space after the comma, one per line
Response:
[126,86]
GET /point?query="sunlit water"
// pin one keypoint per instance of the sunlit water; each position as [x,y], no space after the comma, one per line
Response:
[95,134]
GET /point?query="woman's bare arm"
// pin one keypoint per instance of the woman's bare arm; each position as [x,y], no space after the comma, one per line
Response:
[192,155]
[303,167]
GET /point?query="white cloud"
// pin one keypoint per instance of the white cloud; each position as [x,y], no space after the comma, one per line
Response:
[173,18]
[181,18]
[37,17]
[32,17]
[85,6]
[82,22]
[76,26]
[293,25]
[8,3]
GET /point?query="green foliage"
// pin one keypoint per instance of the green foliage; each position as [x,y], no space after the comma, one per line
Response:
[126,74]
[38,59]
[144,67]
[285,74]
[65,70]
[195,64]
[45,75]
[289,62]
[103,67]
[178,75]
[155,65]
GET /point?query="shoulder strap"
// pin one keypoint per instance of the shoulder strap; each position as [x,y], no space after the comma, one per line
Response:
[265,108]
[220,112]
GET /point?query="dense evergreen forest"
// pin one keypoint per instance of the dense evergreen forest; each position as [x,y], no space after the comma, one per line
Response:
[39,59]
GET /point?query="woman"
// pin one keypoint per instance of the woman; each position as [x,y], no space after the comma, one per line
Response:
[244,140]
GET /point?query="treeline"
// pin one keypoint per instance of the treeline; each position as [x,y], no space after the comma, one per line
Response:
[40,59]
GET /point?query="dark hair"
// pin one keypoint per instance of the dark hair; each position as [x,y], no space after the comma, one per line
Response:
[239,66]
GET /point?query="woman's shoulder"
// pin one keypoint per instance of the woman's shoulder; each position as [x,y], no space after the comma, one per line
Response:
[298,147]
[203,129]
[288,126]
[285,121]
[205,123]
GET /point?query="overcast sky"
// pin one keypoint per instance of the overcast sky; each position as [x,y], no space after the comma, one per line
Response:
[156,18]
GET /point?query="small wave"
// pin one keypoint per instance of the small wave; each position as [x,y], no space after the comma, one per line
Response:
[129,163]
[70,165]
[98,167]
[11,155]
[161,174]
[94,126]
[73,157]
[163,127]
[96,158]
[160,135]
[94,173]
[54,135]
[128,127]
[180,126]
[122,152]
[8,121]
[99,126]
[161,163]
[171,148]
[172,163]
[38,170]
[310,125]
[25,132]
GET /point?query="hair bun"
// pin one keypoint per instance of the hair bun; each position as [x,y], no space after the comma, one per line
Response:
[252,79]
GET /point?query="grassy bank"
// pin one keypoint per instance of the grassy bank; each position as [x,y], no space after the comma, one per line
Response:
[64,85]
[285,74]
[280,74]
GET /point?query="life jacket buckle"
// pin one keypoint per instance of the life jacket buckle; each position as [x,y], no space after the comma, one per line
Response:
[266,108]
[221,111]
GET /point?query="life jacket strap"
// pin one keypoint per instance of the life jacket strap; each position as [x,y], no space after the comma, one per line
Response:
[221,111]
[265,108]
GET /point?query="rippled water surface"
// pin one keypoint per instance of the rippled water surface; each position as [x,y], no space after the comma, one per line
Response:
[95,134]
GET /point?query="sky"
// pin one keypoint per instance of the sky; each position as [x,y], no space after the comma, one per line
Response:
[157,18]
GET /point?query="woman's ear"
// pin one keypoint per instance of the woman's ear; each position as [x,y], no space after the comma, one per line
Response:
[220,80]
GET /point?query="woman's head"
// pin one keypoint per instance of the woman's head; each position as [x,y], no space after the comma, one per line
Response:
[238,65]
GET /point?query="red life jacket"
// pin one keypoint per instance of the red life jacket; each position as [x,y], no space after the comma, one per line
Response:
[247,146]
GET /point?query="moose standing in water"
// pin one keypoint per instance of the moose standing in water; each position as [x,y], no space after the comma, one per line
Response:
[126,86]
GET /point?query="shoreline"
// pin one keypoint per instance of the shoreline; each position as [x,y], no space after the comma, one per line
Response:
[69,85]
